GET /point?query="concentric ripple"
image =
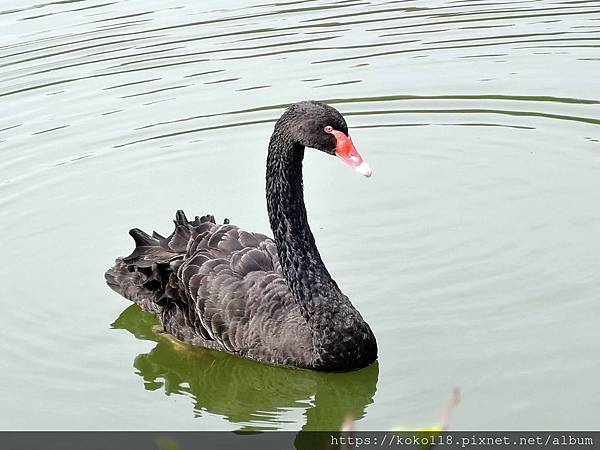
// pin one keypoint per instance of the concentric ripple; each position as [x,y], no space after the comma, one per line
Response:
[472,251]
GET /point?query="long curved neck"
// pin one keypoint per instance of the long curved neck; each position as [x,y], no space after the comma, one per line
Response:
[342,339]
[304,270]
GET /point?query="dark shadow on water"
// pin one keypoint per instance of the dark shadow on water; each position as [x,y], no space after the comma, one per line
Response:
[244,392]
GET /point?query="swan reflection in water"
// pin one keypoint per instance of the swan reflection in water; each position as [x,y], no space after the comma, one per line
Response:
[244,392]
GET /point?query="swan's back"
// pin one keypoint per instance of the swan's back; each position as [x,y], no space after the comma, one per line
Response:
[216,286]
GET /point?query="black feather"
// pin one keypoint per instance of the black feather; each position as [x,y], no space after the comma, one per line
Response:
[231,290]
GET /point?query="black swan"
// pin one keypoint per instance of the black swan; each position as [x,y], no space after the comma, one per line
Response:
[219,287]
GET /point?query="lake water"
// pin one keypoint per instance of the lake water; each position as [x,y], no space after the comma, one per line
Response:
[473,251]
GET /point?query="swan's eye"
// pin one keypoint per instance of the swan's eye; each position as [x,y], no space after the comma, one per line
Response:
[328,129]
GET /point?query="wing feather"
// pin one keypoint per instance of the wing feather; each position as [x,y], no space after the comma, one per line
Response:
[216,285]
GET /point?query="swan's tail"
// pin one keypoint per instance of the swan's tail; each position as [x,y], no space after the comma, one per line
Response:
[145,276]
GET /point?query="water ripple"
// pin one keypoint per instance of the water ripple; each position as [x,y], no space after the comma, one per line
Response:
[481,119]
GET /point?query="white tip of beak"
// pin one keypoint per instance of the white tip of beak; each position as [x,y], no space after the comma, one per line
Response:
[364,169]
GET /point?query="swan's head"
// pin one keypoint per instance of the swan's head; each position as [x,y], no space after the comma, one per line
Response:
[320,126]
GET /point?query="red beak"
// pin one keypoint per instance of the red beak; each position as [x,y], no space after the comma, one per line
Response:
[345,150]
